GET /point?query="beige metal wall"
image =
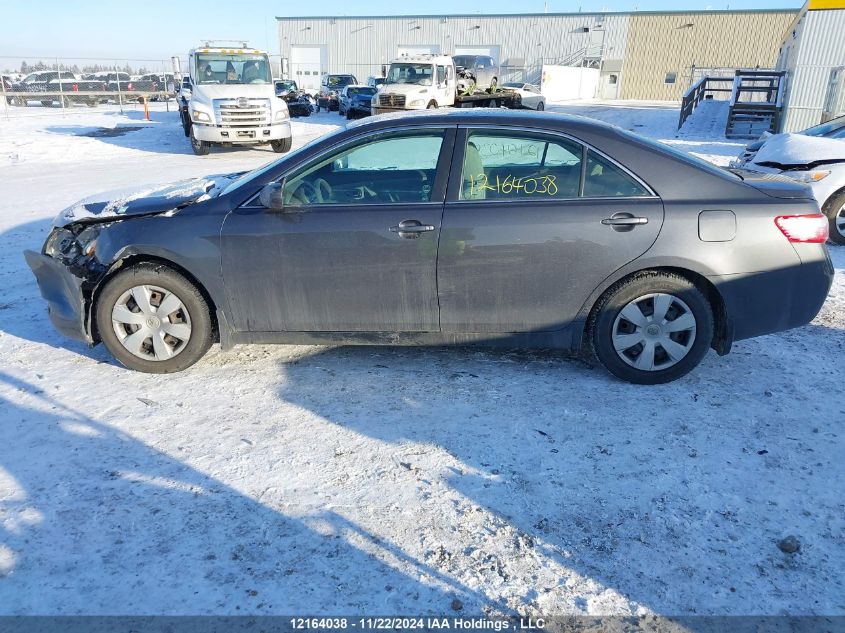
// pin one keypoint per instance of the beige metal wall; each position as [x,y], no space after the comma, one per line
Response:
[673,42]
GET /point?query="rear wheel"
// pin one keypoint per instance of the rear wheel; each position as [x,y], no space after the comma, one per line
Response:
[200,148]
[432,105]
[541,106]
[153,320]
[651,328]
[834,209]
[282,145]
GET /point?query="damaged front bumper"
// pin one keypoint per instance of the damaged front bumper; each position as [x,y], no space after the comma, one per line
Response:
[65,294]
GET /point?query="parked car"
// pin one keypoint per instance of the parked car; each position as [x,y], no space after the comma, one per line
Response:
[815,156]
[166,83]
[469,227]
[529,95]
[119,83]
[55,88]
[359,101]
[330,87]
[348,93]
[299,102]
[479,71]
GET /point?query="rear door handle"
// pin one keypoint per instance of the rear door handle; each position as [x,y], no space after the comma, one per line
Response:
[411,229]
[624,221]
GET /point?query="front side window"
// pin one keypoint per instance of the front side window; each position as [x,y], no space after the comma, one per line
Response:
[389,168]
[515,166]
[441,75]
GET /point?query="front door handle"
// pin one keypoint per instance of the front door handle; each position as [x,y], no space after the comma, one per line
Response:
[411,229]
[626,220]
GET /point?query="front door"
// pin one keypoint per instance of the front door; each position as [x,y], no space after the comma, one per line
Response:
[355,248]
[529,231]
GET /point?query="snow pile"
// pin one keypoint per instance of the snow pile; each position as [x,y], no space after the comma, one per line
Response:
[798,149]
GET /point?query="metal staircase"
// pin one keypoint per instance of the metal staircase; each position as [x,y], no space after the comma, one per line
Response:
[756,103]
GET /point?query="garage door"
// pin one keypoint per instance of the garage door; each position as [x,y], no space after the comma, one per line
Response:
[418,49]
[307,64]
[492,51]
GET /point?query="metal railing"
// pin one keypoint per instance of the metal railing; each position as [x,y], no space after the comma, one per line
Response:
[704,88]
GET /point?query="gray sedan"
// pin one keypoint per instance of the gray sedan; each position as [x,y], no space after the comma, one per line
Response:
[490,227]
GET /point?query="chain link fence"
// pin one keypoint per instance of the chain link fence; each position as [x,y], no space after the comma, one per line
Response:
[40,86]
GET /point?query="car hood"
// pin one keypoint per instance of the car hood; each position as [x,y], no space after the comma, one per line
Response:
[150,200]
[774,185]
[786,151]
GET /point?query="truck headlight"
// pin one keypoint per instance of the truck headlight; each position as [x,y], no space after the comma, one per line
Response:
[808,176]
[416,103]
[200,117]
[281,115]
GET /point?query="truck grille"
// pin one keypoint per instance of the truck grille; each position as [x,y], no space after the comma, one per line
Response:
[242,112]
[391,100]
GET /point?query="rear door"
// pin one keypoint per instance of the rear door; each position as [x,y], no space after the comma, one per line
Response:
[533,223]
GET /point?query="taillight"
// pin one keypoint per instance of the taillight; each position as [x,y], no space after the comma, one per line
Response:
[811,228]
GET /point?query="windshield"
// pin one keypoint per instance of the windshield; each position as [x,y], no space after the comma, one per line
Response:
[464,61]
[255,173]
[351,92]
[219,68]
[835,128]
[339,81]
[419,74]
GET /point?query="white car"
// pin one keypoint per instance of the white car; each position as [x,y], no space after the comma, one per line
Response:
[815,156]
[530,94]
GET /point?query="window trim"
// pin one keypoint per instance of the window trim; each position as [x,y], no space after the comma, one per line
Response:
[456,175]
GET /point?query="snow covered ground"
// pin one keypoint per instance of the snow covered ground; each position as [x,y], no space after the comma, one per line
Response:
[279,480]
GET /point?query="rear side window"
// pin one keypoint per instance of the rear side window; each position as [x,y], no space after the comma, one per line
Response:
[515,166]
[603,179]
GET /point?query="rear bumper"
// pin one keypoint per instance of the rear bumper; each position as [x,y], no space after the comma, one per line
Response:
[64,294]
[773,301]
[265,134]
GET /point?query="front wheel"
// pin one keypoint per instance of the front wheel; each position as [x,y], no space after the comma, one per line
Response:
[201,148]
[152,319]
[281,145]
[432,105]
[834,209]
[651,328]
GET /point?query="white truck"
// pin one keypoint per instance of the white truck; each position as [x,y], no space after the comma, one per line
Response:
[420,82]
[228,98]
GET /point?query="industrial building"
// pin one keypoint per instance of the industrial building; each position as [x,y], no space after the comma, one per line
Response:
[640,55]
[813,56]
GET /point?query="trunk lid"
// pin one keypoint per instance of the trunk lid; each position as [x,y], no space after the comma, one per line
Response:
[775,185]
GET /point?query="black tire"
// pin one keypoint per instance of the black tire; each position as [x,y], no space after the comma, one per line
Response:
[541,106]
[282,145]
[159,275]
[200,148]
[834,209]
[348,115]
[432,105]
[603,320]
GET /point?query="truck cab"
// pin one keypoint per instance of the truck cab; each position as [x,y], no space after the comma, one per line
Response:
[417,82]
[229,99]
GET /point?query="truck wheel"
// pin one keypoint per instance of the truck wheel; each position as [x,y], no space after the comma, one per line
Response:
[186,123]
[200,147]
[432,105]
[282,145]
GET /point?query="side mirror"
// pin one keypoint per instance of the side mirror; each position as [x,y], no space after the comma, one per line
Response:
[271,196]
